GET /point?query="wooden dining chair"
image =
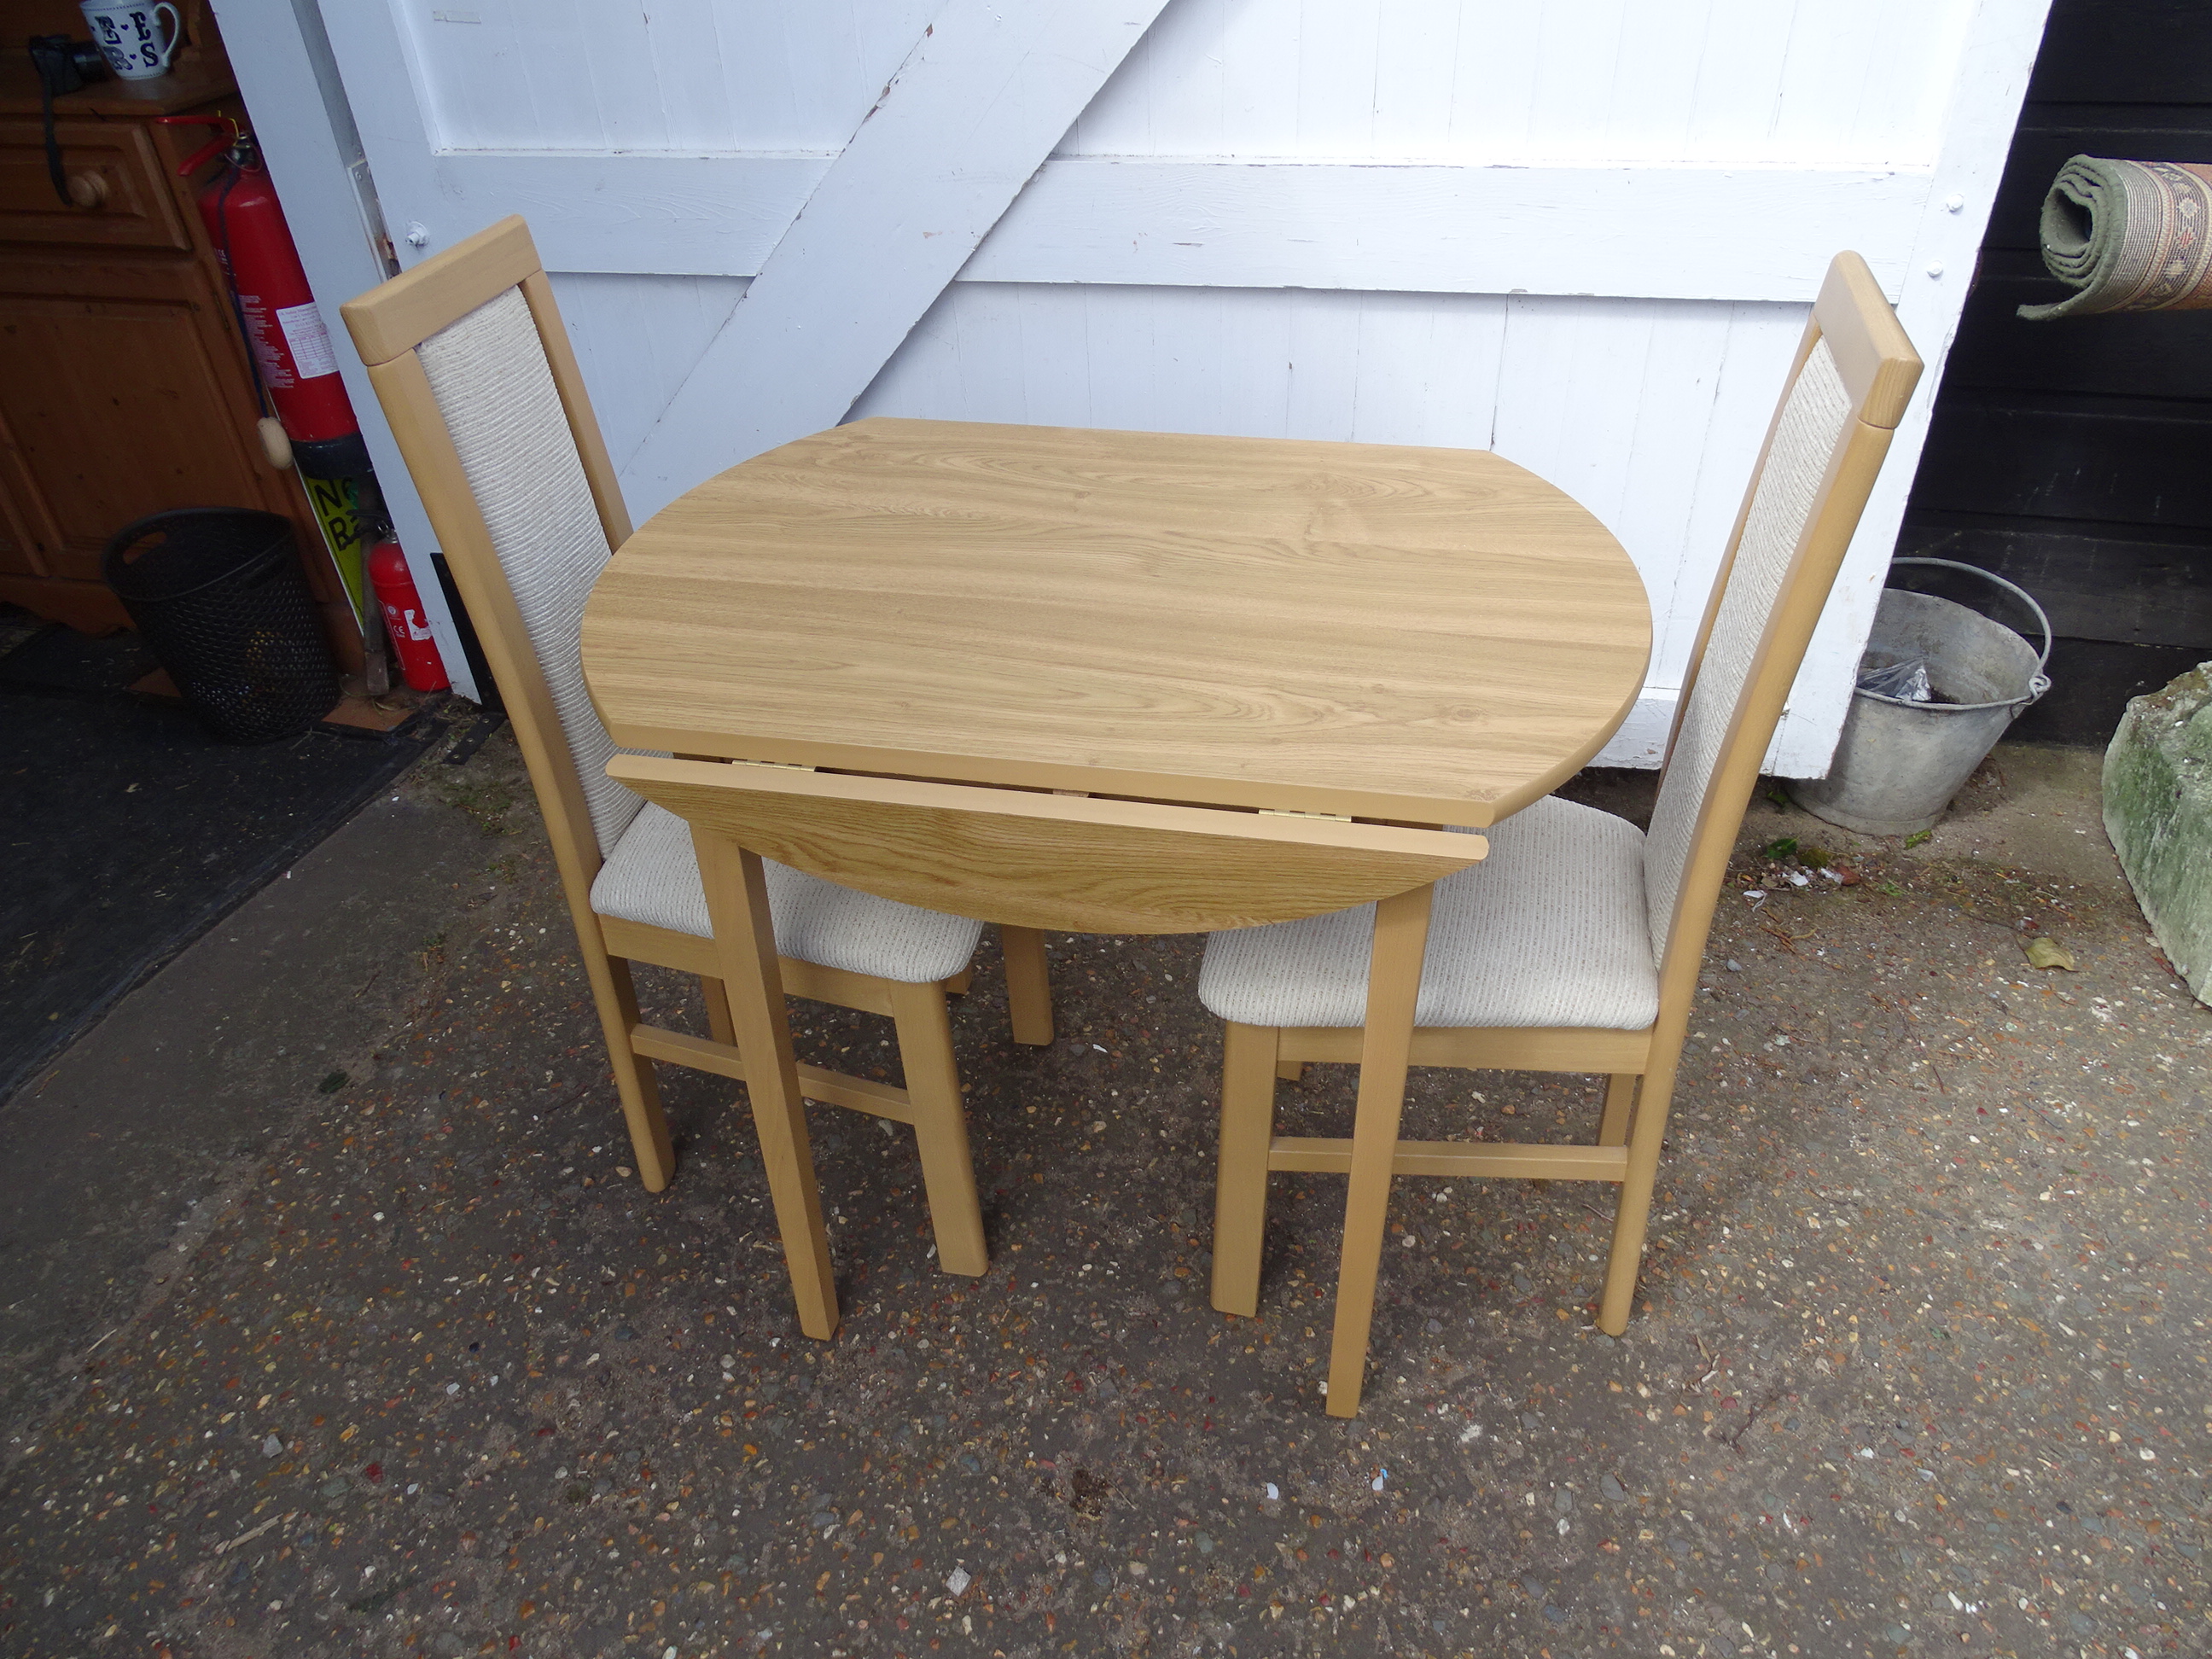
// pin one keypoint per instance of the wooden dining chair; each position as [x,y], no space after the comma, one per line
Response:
[476,374]
[1016,857]
[1577,945]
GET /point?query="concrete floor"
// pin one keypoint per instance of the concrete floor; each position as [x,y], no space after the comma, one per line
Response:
[403,1362]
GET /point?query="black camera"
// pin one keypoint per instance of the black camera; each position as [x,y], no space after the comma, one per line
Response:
[63,65]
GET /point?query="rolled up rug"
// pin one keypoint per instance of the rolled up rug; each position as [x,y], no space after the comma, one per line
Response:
[2128,236]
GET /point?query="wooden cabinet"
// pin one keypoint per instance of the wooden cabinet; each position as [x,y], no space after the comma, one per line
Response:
[125,389]
[115,402]
[117,198]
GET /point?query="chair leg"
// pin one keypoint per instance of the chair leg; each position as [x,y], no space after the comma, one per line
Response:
[1290,1071]
[1625,1260]
[941,1126]
[1394,990]
[1240,1183]
[1619,1103]
[615,994]
[736,905]
[718,1009]
[1028,985]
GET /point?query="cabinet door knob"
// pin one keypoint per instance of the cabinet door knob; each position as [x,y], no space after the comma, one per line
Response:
[88,189]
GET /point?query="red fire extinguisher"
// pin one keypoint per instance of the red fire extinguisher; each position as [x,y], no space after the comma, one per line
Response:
[283,329]
[403,619]
[313,425]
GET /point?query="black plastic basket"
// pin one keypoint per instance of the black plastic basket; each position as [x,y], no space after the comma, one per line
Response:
[218,594]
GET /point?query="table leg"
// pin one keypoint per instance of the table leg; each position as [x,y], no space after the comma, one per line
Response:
[940,1128]
[1394,990]
[1620,1108]
[718,1009]
[1240,1185]
[1028,985]
[744,941]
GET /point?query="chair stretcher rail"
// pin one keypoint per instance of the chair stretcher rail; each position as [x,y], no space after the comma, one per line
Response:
[1456,1158]
[831,1088]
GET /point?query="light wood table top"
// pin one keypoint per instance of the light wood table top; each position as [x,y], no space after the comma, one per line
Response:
[1419,635]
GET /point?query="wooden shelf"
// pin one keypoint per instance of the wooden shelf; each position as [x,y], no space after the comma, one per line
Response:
[185,86]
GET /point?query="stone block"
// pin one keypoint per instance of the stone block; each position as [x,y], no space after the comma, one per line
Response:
[2158,811]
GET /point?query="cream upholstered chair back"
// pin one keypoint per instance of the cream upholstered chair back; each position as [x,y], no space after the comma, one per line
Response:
[475,371]
[1782,499]
[1846,393]
[495,389]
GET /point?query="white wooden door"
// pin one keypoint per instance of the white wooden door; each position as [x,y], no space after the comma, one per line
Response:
[1584,236]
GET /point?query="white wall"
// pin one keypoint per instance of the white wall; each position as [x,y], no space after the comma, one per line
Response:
[1468,82]
[1583,235]
[1489,81]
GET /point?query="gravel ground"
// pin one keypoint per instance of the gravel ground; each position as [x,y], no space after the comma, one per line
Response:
[1919,1367]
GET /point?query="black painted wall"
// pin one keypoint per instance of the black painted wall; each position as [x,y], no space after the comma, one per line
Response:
[2075,457]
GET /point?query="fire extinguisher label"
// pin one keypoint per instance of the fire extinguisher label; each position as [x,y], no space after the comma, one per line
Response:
[310,341]
[276,371]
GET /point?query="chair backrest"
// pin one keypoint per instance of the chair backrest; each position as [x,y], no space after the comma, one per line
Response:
[1079,864]
[1854,373]
[475,371]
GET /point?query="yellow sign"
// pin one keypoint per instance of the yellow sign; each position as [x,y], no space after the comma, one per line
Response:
[337,509]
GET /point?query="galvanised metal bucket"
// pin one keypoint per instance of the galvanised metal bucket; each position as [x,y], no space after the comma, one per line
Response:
[1897,763]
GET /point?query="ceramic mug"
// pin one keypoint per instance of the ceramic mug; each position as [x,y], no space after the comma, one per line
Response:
[131,35]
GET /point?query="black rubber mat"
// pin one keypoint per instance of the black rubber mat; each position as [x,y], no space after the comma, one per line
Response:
[126,832]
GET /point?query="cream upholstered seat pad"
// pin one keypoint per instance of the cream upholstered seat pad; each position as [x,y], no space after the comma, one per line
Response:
[1549,930]
[653,877]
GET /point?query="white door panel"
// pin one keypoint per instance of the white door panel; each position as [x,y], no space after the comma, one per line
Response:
[1584,236]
